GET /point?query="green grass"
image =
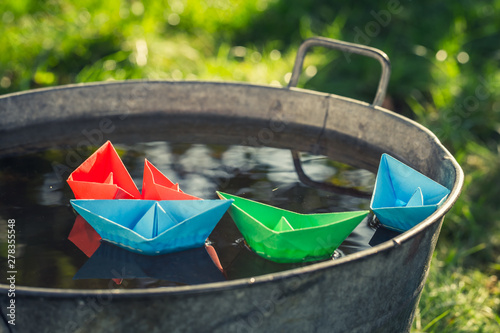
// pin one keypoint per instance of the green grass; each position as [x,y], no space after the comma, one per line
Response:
[445,75]
[457,299]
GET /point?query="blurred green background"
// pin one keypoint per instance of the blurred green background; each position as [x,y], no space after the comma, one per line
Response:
[445,75]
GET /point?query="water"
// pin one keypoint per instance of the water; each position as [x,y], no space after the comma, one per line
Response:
[33,191]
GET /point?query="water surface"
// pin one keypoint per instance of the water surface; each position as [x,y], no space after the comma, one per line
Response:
[33,191]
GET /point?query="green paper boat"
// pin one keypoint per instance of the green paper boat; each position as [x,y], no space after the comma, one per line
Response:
[284,236]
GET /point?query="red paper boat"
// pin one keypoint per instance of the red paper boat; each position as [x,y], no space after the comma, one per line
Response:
[103,176]
[156,186]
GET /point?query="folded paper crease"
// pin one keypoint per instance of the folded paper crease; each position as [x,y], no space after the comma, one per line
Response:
[284,236]
[153,227]
[403,197]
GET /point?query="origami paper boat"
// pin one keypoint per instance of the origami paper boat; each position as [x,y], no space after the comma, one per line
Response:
[193,266]
[284,236]
[156,186]
[104,176]
[403,197]
[153,227]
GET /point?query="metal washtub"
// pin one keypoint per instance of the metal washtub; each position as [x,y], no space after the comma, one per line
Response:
[376,290]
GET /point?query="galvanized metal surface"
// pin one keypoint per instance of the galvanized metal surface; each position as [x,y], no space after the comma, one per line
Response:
[372,291]
[347,49]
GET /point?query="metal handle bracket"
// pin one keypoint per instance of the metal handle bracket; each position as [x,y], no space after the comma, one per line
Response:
[371,52]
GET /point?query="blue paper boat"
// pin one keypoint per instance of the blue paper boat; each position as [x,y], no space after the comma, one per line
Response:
[153,227]
[403,197]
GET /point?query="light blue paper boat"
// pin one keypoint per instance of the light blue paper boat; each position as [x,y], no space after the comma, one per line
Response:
[403,197]
[153,227]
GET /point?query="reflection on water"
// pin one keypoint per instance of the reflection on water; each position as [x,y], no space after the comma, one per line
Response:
[192,266]
[33,191]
